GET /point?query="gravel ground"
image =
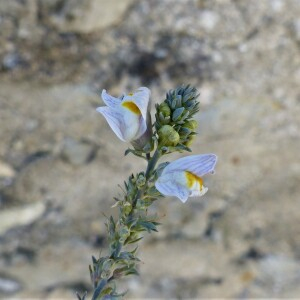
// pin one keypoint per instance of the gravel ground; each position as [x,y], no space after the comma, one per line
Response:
[60,164]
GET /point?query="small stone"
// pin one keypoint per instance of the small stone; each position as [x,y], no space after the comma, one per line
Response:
[195,227]
[277,5]
[6,171]
[279,272]
[296,29]
[9,286]
[90,15]
[11,61]
[208,19]
[207,95]
[61,293]
[77,153]
[21,216]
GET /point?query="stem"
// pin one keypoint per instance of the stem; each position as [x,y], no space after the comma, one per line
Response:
[151,165]
[152,161]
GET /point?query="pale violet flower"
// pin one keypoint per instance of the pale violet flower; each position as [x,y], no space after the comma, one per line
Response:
[183,177]
[127,115]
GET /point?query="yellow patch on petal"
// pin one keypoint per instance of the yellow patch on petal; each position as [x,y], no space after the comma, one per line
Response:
[130,94]
[132,107]
[193,179]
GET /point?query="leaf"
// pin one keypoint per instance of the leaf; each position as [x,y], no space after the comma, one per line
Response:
[111,226]
[134,241]
[99,288]
[149,226]
[160,168]
[79,297]
[183,147]
[135,152]
[185,131]
[185,115]
[156,223]
[132,271]
[177,113]
[95,261]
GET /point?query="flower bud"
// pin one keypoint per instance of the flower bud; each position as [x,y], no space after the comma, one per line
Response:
[141,180]
[168,136]
[164,109]
[190,140]
[184,96]
[191,124]
[127,208]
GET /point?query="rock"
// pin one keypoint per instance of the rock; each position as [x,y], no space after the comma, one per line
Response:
[21,216]
[8,285]
[277,5]
[88,16]
[208,20]
[77,153]
[11,61]
[279,273]
[6,171]
[295,28]
[7,175]
[61,293]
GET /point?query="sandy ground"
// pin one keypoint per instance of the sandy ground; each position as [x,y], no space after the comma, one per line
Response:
[60,164]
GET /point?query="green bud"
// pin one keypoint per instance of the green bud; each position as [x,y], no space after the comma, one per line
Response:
[184,132]
[141,180]
[184,96]
[127,207]
[190,140]
[177,114]
[164,109]
[124,232]
[168,136]
[192,124]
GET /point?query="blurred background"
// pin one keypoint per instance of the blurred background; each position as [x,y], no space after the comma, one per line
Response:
[60,163]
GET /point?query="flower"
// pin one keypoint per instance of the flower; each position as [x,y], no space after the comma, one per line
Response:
[183,177]
[127,115]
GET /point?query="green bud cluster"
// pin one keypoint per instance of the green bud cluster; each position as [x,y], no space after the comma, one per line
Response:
[174,124]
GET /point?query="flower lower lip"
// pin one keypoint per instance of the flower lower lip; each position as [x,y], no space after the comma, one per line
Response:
[192,179]
[131,107]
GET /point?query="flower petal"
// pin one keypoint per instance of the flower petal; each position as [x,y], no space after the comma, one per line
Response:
[109,100]
[198,193]
[167,186]
[142,128]
[132,124]
[115,120]
[196,164]
[141,98]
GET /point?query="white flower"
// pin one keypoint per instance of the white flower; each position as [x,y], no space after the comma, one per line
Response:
[127,116]
[183,177]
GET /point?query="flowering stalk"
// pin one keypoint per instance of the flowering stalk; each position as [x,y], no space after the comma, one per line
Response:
[174,132]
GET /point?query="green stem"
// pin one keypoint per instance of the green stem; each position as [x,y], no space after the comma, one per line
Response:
[151,165]
[152,161]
